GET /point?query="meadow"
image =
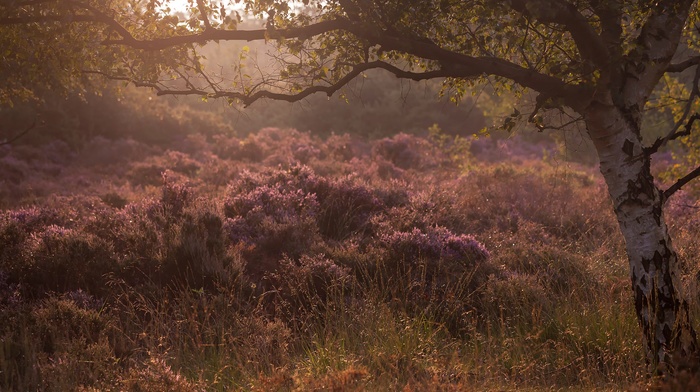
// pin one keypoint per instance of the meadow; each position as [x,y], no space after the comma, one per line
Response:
[280,261]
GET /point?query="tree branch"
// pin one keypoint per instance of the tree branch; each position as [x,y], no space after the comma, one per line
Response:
[205,16]
[468,66]
[231,35]
[460,65]
[680,183]
[656,45]
[589,43]
[248,99]
[19,135]
[682,66]
[610,13]
[674,134]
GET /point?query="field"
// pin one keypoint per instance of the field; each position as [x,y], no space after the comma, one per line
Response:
[282,261]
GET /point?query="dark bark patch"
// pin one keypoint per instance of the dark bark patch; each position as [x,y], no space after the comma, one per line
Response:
[657,214]
[628,148]
[638,301]
[632,191]
[646,186]
[643,281]
[645,264]
[667,279]
[658,260]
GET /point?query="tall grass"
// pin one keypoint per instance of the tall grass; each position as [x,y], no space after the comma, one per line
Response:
[382,267]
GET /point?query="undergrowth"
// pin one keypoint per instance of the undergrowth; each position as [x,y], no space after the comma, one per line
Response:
[271,264]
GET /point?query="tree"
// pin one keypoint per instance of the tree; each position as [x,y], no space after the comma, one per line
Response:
[599,61]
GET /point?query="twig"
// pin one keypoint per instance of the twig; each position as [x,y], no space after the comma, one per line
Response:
[19,135]
[674,134]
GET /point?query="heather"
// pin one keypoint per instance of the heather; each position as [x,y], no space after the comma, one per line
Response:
[283,261]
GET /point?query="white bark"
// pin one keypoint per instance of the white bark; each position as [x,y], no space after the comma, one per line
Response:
[660,305]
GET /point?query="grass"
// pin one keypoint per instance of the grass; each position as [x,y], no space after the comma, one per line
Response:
[490,279]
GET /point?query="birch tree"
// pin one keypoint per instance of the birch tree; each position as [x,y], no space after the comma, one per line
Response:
[604,63]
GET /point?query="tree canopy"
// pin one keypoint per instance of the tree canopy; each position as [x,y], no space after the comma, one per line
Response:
[561,49]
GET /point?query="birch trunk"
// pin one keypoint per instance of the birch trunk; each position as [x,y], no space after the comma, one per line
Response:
[661,308]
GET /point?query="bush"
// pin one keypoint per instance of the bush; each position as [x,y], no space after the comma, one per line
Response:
[198,256]
[303,288]
[436,244]
[273,221]
[61,259]
[405,151]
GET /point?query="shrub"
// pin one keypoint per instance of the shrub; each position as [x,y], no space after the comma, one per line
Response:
[405,151]
[304,287]
[198,256]
[62,259]
[157,376]
[345,204]
[436,244]
[175,196]
[114,200]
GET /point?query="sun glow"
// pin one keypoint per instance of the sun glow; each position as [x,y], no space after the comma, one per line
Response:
[176,6]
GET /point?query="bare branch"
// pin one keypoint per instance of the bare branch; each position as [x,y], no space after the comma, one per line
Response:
[19,135]
[248,99]
[541,103]
[682,66]
[680,183]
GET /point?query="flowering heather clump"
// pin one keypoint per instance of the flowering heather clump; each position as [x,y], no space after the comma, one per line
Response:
[305,152]
[20,228]
[136,232]
[248,150]
[275,220]
[175,196]
[181,163]
[280,204]
[405,151]
[318,258]
[344,205]
[61,259]
[436,243]
[198,256]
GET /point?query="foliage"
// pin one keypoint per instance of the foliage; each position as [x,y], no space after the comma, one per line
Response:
[376,283]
